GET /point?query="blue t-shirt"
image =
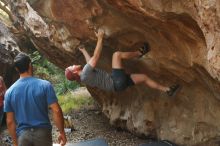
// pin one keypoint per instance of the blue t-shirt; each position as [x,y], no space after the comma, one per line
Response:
[28,98]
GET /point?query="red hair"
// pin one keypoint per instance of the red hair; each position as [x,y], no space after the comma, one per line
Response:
[71,75]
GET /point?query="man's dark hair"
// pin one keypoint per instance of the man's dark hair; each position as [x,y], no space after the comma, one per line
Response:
[21,62]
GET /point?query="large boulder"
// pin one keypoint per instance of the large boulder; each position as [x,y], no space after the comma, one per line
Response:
[8,50]
[184,36]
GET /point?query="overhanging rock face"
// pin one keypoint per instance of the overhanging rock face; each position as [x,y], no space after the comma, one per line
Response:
[184,36]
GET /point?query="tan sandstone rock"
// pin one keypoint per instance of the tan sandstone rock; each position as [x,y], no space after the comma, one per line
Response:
[185,39]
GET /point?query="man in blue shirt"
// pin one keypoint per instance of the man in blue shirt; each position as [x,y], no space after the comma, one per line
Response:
[26,106]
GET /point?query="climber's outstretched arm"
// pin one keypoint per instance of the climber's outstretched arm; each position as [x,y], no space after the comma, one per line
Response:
[97,52]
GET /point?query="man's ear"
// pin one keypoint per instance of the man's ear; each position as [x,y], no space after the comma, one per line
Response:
[30,66]
[16,69]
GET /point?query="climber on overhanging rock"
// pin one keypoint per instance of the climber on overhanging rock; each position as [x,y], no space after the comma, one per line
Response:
[118,80]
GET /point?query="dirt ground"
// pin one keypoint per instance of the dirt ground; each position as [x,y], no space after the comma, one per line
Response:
[89,123]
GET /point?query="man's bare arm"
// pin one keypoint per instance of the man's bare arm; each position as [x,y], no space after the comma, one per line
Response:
[85,54]
[59,121]
[94,59]
[12,127]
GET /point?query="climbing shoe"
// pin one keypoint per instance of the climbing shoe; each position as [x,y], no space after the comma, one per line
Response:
[144,49]
[173,90]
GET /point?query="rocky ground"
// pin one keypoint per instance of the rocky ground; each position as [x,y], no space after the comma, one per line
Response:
[90,123]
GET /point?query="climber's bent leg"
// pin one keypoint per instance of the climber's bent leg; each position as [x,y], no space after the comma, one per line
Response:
[118,56]
[143,78]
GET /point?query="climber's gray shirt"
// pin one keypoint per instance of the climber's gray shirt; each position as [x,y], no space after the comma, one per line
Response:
[95,77]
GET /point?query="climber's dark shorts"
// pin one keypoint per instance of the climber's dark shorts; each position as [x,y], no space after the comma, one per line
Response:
[121,80]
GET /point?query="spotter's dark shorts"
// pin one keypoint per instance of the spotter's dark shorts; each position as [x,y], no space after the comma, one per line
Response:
[121,80]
